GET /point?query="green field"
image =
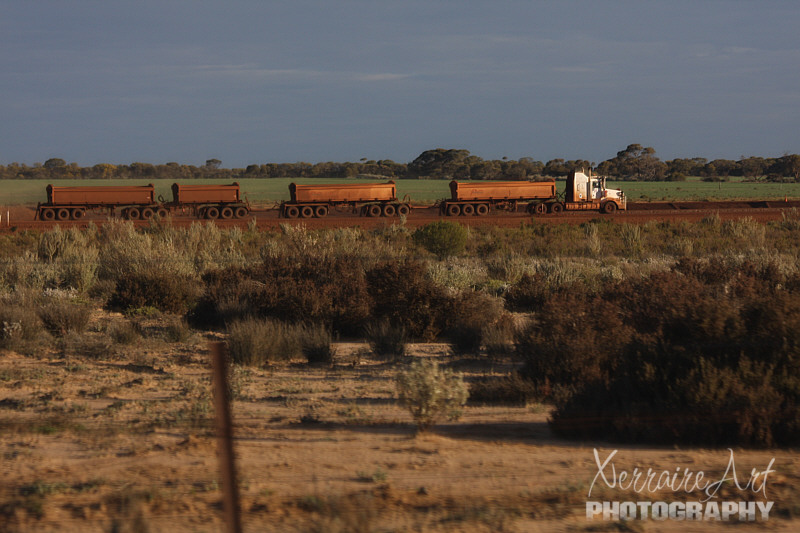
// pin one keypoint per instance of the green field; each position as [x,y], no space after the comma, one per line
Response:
[264,191]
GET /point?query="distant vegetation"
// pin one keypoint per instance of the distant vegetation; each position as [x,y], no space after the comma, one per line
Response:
[635,162]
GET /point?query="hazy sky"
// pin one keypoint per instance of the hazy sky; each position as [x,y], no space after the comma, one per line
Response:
[335,80]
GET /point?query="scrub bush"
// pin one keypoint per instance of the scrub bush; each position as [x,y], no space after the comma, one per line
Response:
[430,392]
[442,238]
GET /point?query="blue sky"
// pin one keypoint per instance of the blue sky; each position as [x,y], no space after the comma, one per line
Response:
[338,80]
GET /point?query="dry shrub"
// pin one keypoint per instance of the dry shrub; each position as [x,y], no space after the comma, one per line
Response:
[256,342]
[315,343]
[123,332]
[443,238]
[386,340]
[166,292]
[404,294]
[18,324]
[64,316]
[330,291]
[430,392]
[507,390]
[470,313]
[700,363]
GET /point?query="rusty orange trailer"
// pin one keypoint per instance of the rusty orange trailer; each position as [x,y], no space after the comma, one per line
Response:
[65,203]
[480,198]
[210,201]
[370,199]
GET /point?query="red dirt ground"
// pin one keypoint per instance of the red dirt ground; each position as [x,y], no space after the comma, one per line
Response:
[22,217]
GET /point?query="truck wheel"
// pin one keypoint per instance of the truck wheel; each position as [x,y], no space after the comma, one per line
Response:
[240,212]
[48,214]
[78,213]
[226,212]
[374,211]
[467,210]
[62,214]
[162,212]
[321,211]
[403,210]
[212,213]
[133,213]
[306,211]
[556,208]
[147,213]
[481,210]
[453,210]
[292,211]
[389,210]
[540,209]
[609,208]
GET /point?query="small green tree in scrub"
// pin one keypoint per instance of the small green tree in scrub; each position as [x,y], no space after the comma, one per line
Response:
[442,238]
[430,392]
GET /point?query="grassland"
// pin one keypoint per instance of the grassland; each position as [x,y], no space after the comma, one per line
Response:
[19,192]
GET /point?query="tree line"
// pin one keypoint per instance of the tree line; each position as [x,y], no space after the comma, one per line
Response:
[635,162]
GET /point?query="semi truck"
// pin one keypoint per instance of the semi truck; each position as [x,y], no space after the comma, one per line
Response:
[583,192]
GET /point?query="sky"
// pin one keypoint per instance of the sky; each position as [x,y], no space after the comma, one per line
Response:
[258,81]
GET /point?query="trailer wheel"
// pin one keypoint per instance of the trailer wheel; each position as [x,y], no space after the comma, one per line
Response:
[403,210]
[374,210]
[307,211]
[62,214]
[556,208]
[147,213]
[162,212]
[132,213]
[467,210]
[48,214]
[389,210]
[321,211]
[240,212]
[481,210]
[540,209]
[226,212]
[292,211]
[453,210]
[78,213]
[212,213]
[609,208]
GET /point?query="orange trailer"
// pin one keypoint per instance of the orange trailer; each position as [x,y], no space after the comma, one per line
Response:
[370,199]
[65,203]
[480,198]
[210,201]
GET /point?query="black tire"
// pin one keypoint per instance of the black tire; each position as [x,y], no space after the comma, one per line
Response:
[482,210]
[47,214]
[132,213]
[78,213]
[609,208]
[453,210]
[147,213]
[389,210]
[467,210]
[162,212]
[292,211]
[212,213]
[321,211]
[540,209]
[240,212]
[226,212]
[403,210]
[63,214]
[556,208]
[306,211]
[374,210]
